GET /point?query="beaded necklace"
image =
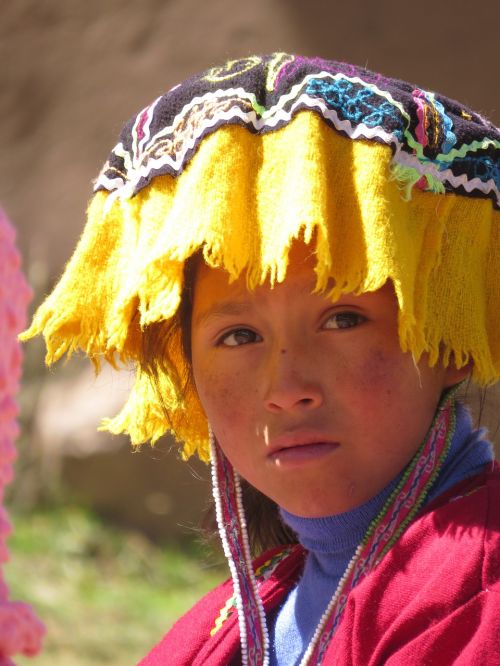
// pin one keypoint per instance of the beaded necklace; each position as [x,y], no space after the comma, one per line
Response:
[395,516]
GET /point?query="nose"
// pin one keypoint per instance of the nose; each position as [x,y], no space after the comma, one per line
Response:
[289,384]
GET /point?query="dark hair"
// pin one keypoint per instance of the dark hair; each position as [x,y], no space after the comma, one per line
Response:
[265,528]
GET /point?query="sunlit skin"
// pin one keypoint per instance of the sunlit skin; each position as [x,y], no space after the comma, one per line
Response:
[313,402]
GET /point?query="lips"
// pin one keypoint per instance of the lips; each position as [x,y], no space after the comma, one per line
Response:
[301,444]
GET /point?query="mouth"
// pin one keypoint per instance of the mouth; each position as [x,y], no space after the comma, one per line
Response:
[298,447]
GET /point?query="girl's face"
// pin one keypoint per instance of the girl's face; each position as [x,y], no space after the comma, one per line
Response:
[313,402]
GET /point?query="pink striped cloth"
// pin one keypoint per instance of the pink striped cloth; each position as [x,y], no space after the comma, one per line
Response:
[21,632]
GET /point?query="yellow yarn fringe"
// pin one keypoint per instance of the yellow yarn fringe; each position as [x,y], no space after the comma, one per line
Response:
[243,199]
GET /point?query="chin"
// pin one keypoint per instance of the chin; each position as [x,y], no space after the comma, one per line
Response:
[315,508]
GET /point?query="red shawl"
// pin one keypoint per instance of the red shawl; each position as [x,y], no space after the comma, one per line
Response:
[433,599]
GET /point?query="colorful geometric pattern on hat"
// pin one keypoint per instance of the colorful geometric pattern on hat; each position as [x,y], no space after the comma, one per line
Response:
[438,144]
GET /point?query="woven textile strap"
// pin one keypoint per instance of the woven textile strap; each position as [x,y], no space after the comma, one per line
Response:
[232,528]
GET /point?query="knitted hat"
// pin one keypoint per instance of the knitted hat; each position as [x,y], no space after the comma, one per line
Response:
[385,180]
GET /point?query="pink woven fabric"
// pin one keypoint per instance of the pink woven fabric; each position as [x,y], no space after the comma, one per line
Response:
[20,630]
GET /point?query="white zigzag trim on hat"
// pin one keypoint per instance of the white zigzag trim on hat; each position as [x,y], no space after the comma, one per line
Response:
[447,175]
[270,119]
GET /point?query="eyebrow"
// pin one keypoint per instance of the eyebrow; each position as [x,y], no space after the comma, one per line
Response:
[222,308]
[235,307]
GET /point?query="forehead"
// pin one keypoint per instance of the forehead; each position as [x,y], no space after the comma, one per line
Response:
[216,293]
[215,283]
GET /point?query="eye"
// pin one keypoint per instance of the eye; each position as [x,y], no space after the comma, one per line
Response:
[341,320]
[238,337]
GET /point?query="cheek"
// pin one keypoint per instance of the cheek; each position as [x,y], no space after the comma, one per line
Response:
[375,376]
[225,397]
[400,398]
[378,371]
[387,387]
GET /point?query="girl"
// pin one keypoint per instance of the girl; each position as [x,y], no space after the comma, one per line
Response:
[301,257]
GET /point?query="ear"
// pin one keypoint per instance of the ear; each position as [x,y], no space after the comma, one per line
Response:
[454,375]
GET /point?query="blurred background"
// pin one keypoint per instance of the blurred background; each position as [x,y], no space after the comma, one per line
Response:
[106,544]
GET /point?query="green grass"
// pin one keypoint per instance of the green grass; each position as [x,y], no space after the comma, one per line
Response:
[105,595]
